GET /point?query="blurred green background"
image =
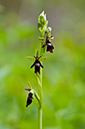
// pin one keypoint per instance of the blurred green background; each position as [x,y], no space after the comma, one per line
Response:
[64,70]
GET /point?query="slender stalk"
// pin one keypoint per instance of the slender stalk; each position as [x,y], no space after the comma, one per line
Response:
[40,117]
[40,106]
[40,93]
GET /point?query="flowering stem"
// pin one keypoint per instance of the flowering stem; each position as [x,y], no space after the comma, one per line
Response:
[44,31]
[40,118]
[44,38]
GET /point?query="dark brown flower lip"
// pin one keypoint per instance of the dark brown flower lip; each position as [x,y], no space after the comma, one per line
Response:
[29,99]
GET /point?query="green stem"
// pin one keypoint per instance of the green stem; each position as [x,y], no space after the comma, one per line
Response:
[40,118]
[40,93]
[40,106]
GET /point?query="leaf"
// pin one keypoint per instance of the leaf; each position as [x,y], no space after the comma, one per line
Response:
[31,58]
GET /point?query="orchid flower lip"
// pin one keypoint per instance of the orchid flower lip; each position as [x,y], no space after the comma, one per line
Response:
[29,99]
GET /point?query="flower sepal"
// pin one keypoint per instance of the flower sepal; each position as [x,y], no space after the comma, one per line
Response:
[31,58]
[41,39]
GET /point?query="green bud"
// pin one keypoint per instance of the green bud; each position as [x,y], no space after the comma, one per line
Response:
[42,23]
[48,29]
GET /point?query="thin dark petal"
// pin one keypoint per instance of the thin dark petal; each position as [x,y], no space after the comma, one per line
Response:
[41,65]
[33,65]
[47,41]
[28,89]
[44,45]
[39,57]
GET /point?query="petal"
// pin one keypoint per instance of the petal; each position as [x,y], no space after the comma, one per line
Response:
[32,65]
[44,45]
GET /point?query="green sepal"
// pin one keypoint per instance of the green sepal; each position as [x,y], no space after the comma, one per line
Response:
[51,38]
[31,58]
[42,39]
[42,58]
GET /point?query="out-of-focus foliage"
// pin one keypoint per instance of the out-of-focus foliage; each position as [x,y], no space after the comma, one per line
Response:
[64,70]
